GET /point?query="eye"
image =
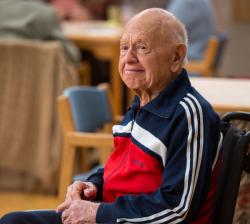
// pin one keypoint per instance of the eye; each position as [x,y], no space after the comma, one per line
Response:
[123,47]
[142,48]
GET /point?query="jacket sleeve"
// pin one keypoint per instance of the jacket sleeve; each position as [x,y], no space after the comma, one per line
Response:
[186,178]
[97,180]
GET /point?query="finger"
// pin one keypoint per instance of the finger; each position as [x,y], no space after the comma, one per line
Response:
[63,206]
[65,216]
[77,189]
[68,194]
[74,191]
[67,221]
[90,193]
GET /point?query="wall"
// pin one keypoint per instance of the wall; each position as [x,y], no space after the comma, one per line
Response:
[236,61]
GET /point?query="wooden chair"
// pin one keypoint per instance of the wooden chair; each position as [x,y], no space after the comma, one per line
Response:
[11,201]
[83,111]
[84,72]
[212,58]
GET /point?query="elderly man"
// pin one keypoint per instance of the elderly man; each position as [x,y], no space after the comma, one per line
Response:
[163,168]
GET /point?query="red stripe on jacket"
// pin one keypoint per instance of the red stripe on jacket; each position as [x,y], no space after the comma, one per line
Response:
[130,170]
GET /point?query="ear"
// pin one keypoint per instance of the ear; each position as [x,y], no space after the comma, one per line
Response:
[179,56]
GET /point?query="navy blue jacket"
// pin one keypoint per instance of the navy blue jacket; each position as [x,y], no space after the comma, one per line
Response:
[163,168]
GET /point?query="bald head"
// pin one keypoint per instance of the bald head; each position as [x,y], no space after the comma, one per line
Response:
[161,22]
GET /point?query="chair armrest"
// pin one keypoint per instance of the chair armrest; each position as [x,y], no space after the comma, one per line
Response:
[117,119]
[194,66]
[90,139]
[102,141]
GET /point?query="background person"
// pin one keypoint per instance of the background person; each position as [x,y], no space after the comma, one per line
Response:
[36,20]
[72,10]
[198,18]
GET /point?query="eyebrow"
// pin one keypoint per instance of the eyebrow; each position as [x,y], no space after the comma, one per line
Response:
[139,40]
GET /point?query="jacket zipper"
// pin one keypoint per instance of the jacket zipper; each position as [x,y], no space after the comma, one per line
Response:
[125,155]
[121,163]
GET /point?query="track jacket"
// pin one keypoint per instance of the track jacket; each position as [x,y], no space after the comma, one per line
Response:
[164,166]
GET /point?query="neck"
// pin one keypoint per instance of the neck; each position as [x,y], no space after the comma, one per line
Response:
[147,97]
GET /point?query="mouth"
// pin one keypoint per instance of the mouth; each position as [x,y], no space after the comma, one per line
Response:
[133,70]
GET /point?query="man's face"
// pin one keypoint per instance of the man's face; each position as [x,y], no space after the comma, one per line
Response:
[145,57]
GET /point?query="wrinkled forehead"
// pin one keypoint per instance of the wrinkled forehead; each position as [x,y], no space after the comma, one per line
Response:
[139,35]
[140,30]
[153,28]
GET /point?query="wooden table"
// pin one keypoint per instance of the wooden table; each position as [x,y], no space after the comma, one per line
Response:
[103,41]
[225,94]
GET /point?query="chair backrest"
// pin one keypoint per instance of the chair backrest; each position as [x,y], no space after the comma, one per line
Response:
[222,40]
[212,56]
[234,154]
[90,107]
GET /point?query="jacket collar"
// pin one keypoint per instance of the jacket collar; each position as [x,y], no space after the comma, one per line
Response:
[165,104]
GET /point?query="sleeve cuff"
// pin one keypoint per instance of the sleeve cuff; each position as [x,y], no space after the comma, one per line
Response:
[105,213]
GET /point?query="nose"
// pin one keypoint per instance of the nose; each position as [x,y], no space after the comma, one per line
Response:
[131,56]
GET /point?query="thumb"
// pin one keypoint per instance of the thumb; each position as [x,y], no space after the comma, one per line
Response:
[90,192]
[63,206]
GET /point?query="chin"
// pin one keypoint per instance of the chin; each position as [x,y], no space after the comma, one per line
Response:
[129,83]
[131,86]
[132,83]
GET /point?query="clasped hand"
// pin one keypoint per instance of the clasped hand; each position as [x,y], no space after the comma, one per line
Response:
[77,208]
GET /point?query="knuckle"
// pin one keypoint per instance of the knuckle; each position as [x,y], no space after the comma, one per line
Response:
[76,182]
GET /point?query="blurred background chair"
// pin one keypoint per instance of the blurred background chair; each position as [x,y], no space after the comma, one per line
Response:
[86,117]
[235,159]
[223,39]
[212,57]
[32,74]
